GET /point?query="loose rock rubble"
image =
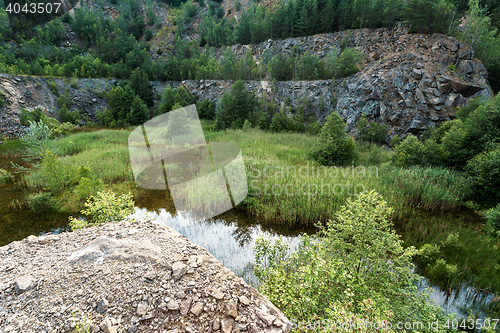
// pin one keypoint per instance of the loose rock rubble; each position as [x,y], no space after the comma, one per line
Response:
[126,277]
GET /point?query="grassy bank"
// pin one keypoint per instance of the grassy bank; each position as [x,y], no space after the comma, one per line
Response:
[288,188]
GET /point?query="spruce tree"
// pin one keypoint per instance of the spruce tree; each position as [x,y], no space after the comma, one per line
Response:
[139,112]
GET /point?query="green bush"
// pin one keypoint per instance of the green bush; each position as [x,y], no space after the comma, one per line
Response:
[372,132]
[428,254]
[87,188]
[53,88]
[5,177]
[2,99]
[65,99]
[205,109]
[42,202]
[334,147]
[246,126]
[27,116]
[37,140]
[330,272]
[409,152]
[235,106]
[314,128]
[395,141]
[105,206]
[282,123]
[493,221]
[484,173]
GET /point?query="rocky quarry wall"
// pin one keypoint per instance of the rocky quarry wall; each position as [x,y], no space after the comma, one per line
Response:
[126,277]
[406,82]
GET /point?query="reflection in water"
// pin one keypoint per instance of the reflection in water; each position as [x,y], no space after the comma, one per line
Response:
[230,242]
[459,301]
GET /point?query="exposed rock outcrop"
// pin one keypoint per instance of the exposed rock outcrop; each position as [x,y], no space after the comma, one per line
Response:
[409,81]
[126,277]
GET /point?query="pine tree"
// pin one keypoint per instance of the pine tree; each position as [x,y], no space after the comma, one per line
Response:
[139,112]
[167,100]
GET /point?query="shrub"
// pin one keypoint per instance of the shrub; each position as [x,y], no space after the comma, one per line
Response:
[409,152]
[74,83]
[87,188]
[282,123]
[373,132]
[5,177]
[65,99]
[246,126]
[105,206]
[484,173]
[37,140]
[493,221]
[235,106]
[395,141]
[314,128]
[42,202]
[429,253]
[313,282]
[27,116]
[347,63]
[205,109]
[53,88]
[335,147]
[2,99]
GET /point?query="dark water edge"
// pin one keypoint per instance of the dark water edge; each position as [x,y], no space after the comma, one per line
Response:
[230,237]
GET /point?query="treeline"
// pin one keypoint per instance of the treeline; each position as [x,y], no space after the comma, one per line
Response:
[298,18]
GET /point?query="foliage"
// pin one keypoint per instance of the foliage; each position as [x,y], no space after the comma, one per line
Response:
[335,147]
[427,15]
[37,140]
[493,221]
[106,207]
[283,123]
[331,271]
[484,173]
[87,188]
[2,99]
[42,202]
[373,132]
[139,112]
[395,141]
[409,152]
[205,109]
[234,107]
[26,116]
[65,99]
[5,177]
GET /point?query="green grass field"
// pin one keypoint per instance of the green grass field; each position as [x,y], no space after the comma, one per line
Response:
[286,187]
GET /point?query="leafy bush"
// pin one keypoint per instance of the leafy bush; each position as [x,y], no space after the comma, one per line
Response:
[493,220]
[87,188]
[37,140]
[205,109]
[428,254]
[53,88]
[234,107]
[314,128]
[2,99]
[335,147]
[347,63]
[282,123]
[395,141]
[65,99]
[373,132]
[330,271]
[106,207]
[5,177]
[42,202]
[27,116]
[246,126]
[484,173]
[409,152]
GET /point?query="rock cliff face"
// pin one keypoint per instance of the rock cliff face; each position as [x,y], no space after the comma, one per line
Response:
[126,277]
[409,81]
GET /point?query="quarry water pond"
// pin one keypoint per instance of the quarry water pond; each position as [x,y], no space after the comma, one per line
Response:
[230,237]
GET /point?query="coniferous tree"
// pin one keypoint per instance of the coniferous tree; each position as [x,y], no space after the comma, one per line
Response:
[139,112]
